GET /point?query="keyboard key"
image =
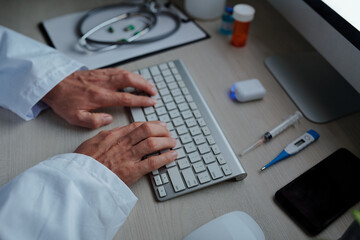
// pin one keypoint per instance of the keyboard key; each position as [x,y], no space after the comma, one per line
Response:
[138,115]
[181,130]
[176,180]
[197,114]
[187,114]
[181,153]
[163,66]
[173,134]
[161,111]
[206,131]
[170,106]
[164,178]
[161,85]
[191,122]
[171,64]
[154,70]
[169,79]
[183,163]
[226,170]
[195,131]
[189,98]
[157,180]
[164,118]
[204,177]
[199,139]
[148,110]
[190,147]
[208,158]
[166,72]
[215,171]
[171,164]
[164,91]
[174,113]
[155,172]
[173,85]
[167,98]
[170,126]
[179,99]
[210,140]
[186,138]
[158,78]
[199,167]
[215,148]
[194,157]
[181,84]
[193,106]
[176,92]
[152,117]
[221,160]
[178,77]
[178,121]
[183,106]
[178,144]
[161,191]
[174,71]
[185,91]
[203,148]
[189,177]
[159,103]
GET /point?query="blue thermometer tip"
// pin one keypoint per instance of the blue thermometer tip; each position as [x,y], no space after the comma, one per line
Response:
[280,157]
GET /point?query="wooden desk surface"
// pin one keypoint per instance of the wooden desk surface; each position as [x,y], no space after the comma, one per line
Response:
[214,65]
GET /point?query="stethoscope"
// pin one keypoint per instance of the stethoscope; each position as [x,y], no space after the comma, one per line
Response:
[148,11]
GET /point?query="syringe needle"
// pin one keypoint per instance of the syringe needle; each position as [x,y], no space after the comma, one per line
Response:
[255,145]
[274,132]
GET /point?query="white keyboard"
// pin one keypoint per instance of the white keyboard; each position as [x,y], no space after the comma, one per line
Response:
[204,155]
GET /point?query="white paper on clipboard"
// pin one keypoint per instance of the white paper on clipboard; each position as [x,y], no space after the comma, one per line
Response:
[63,35]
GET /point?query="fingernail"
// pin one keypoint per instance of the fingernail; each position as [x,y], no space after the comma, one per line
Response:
[107,119]
[152,101]
[163,124]
[154,89]
[174,154]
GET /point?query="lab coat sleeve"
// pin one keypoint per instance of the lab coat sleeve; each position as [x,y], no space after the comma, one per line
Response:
[69,196]
[28,71]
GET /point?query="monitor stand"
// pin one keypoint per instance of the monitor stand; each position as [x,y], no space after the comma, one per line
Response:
[319,91]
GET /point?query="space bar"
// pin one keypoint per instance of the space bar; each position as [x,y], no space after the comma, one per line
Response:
[137,114]
[176,180]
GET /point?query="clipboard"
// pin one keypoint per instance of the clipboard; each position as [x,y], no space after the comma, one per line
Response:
[63,35]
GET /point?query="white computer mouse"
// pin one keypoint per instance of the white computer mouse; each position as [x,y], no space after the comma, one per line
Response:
[234,225]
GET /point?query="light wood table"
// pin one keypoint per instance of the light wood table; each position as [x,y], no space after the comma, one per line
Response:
[215,65]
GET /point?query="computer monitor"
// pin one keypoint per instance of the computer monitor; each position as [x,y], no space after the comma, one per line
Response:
[325,85]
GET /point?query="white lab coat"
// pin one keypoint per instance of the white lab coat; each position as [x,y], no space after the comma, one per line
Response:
[69,196]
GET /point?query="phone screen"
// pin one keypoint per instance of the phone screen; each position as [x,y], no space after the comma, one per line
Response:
[324,192]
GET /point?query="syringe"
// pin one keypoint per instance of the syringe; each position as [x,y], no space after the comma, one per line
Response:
[274,132]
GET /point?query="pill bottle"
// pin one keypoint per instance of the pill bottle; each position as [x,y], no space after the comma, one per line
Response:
[227,21]
[243,14]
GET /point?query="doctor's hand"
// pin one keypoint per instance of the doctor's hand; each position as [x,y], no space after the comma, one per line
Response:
[79,94]
[122,149]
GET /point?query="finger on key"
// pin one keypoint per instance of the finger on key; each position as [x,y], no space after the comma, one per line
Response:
[155,162]
[152,144]
[146,130]
[129,79]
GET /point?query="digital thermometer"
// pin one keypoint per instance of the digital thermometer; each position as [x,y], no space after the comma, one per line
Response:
[294,147]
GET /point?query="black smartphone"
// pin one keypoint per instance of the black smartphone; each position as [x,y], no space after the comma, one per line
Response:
[324,192]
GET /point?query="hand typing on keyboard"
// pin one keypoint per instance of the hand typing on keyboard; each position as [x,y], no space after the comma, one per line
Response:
[204,155]
[122,149]
[75,97]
